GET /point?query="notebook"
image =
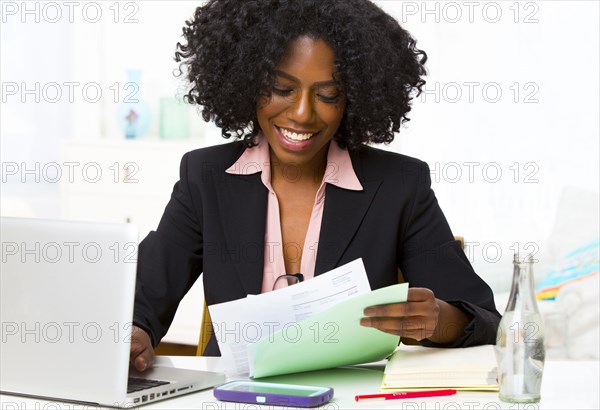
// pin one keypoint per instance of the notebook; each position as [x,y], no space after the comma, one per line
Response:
[417,367]
[67,292]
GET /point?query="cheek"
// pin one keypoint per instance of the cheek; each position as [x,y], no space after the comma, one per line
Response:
[334,114]
[267,108]
[262,102]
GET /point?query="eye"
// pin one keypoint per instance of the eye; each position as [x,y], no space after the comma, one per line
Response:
[329,94]
[329,98]
[282,91]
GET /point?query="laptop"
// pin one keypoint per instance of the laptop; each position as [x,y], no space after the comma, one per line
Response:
[67,293]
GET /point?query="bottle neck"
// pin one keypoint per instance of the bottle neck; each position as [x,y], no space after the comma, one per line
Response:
[522,294]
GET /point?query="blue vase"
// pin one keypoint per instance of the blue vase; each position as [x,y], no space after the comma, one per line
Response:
[133,115]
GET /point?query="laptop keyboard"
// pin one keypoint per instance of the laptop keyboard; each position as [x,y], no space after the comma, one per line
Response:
[135,384]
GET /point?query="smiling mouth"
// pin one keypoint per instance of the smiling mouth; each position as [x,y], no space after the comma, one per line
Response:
[296,136]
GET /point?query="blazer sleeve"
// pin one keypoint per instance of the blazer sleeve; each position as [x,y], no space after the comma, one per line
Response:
[431,258]
[169,260]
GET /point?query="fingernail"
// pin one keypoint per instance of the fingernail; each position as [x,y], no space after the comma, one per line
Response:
[369,312]
[144,364]
[365,322]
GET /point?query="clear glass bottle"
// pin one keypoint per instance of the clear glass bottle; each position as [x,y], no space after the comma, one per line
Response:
[520,350]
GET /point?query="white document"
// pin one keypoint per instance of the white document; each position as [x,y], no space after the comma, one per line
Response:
[248,320]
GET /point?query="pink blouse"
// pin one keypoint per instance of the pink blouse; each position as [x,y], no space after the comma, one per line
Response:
[339,172]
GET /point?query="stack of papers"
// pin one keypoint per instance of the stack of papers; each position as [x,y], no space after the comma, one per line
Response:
[309,326]
[330,339]
[417,367]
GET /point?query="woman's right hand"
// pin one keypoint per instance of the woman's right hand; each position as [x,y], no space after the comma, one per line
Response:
[141,355]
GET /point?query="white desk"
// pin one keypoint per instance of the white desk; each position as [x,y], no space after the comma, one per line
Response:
[566,385]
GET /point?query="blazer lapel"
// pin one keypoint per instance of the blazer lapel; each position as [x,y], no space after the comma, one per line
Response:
[343,213]
[244,202]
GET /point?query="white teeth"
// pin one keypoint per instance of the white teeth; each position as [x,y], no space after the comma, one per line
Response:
[294,136]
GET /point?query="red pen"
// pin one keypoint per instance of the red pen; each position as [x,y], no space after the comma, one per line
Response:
[406,395]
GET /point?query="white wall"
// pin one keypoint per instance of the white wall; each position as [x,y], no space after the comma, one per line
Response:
[550,51]
[549,129]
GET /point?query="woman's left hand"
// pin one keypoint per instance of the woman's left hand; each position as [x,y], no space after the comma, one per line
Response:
[417,318]
[422,316]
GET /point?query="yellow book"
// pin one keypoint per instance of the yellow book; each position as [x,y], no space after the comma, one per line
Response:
[418,367]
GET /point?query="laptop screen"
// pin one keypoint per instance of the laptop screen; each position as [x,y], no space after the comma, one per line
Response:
[67,291]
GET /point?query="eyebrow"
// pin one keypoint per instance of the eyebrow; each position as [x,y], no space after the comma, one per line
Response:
[318,84]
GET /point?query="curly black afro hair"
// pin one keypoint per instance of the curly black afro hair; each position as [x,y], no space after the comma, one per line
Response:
[233,46]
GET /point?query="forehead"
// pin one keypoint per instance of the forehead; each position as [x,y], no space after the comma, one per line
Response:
[309,60]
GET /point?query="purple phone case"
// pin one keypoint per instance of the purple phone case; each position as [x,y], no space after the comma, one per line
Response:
[273,399]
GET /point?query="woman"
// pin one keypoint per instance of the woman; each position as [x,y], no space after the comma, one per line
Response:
[305,86]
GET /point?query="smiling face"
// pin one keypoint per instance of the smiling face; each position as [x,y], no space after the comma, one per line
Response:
[306,105]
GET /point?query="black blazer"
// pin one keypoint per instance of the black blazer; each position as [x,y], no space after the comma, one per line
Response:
[214,224]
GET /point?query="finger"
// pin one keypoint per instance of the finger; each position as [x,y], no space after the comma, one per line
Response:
[420,294]
[136,349]
[404,309]
[415,295]
[416,328]
[417,334]
[141,354]
[141,363]
[136,357]
[143,360]
[401,324]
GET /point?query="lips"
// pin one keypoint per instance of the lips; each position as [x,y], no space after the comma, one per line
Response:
[295,135]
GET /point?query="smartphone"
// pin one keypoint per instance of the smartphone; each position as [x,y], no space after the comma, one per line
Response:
[245,391]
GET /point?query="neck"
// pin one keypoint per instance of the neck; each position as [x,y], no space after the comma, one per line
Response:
[309,173]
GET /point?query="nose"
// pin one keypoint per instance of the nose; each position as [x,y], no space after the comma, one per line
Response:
[302,109]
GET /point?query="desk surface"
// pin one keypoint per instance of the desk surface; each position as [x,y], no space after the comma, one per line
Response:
[572,384]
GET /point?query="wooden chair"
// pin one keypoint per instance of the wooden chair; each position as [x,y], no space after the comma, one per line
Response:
[206,327]
[205,331]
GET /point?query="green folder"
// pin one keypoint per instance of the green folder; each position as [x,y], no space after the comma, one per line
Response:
[330,339]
